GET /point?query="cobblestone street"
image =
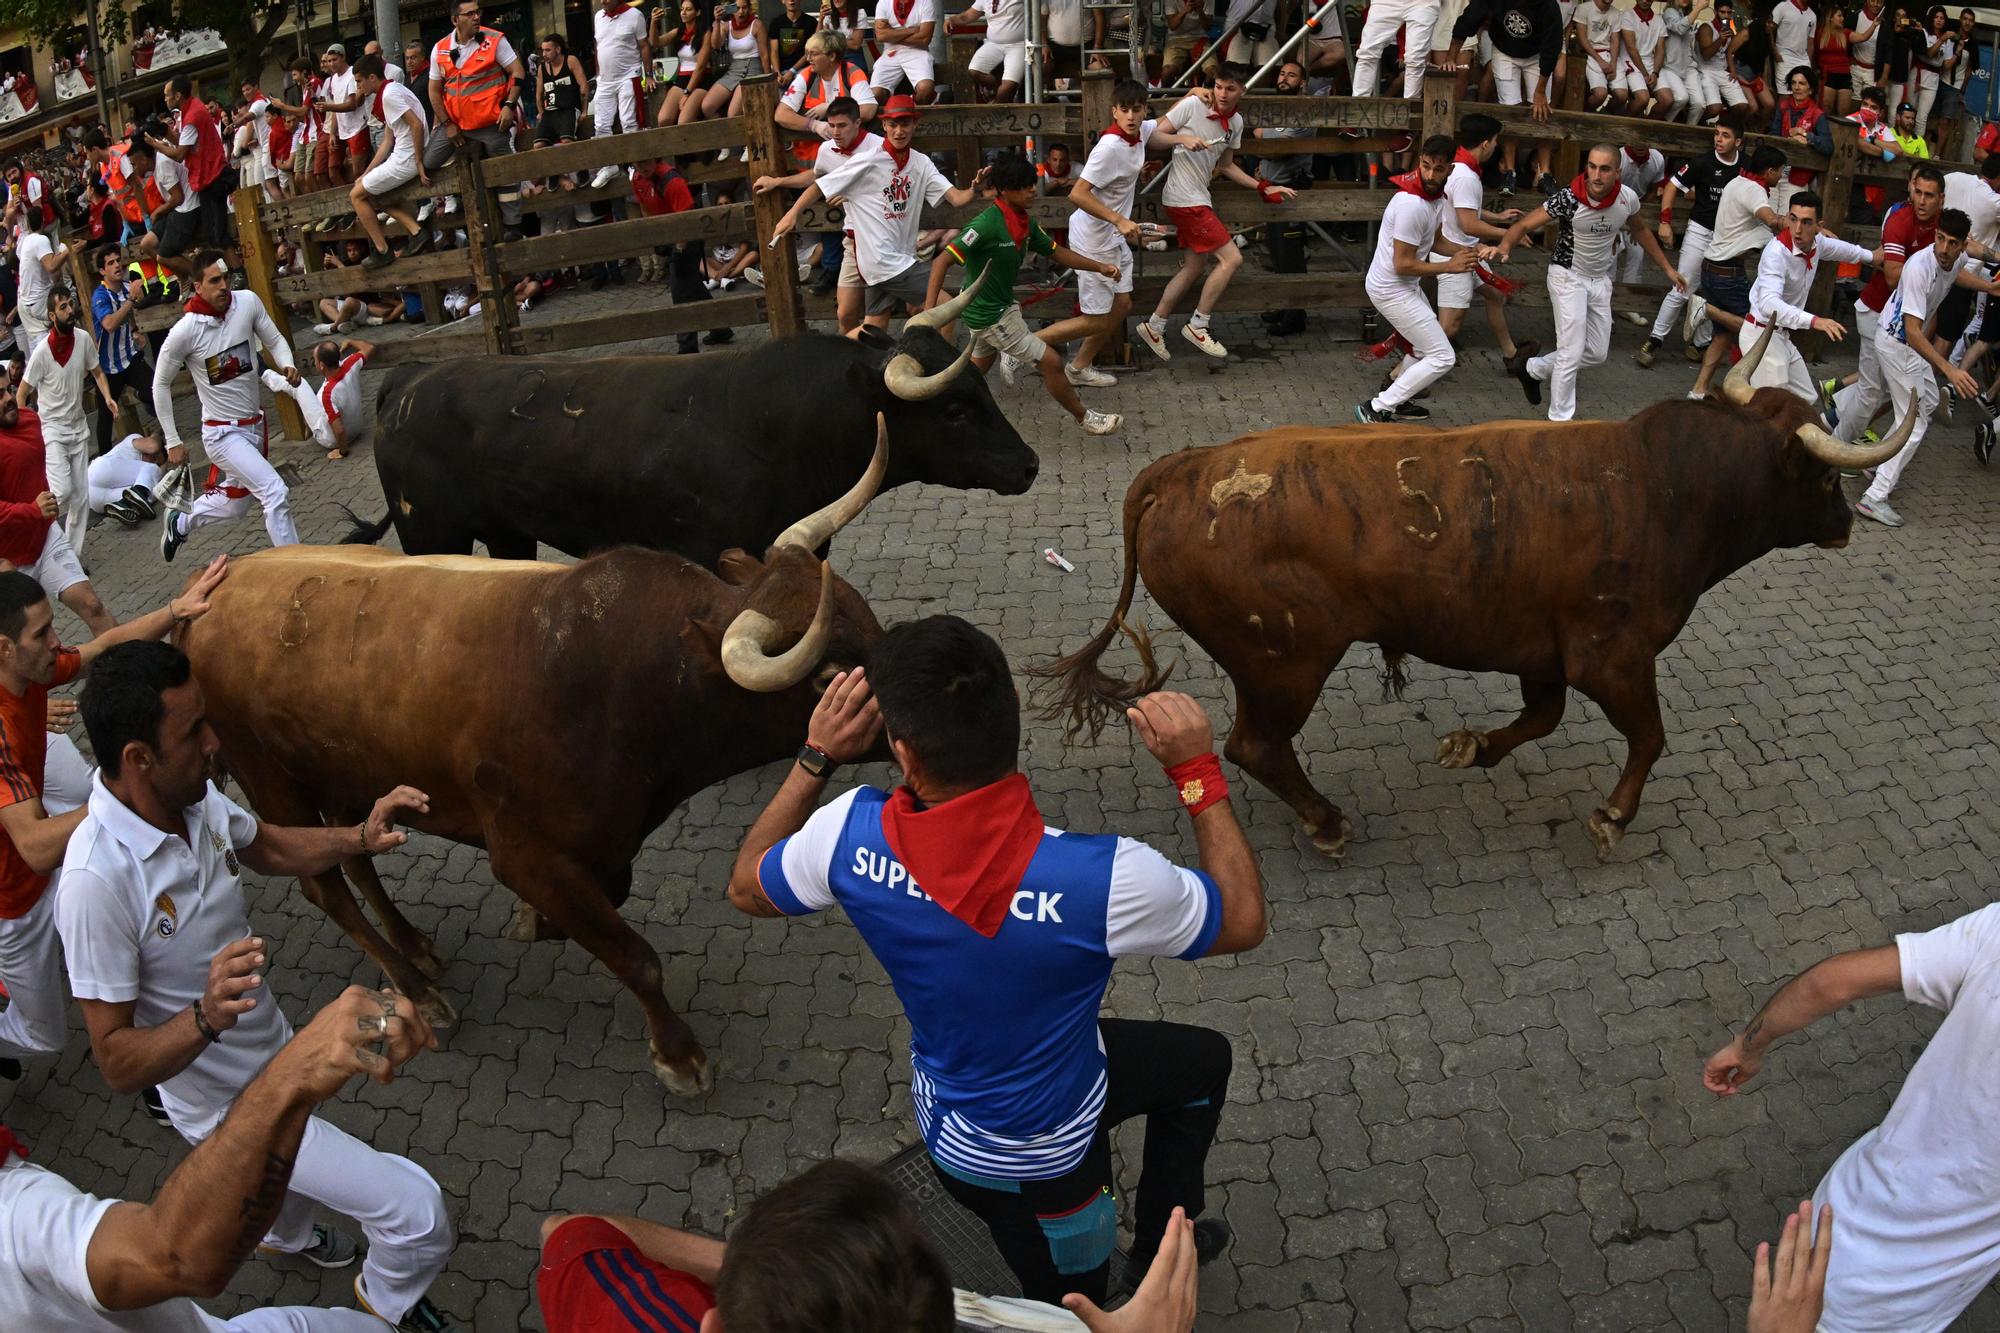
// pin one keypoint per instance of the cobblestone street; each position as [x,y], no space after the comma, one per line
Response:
[1467,1090]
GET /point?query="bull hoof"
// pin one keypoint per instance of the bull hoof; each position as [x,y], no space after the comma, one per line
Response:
[1334,844]
[697,1083]
[528,926]
[437,1011]
[1460,749]
[1606,827]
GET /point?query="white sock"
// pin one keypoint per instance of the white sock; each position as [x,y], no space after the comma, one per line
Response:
[1198,320]
[1157,323]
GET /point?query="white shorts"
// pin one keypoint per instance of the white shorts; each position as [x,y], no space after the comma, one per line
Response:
[1670,82]
[1455,290]
[1723,90]
[1633,80]
[898,63]
[56,568]
[1095,293]
[1514,77]
[1010,58]
[398,171]
[1594,77]
[1488,53]
[1010,336]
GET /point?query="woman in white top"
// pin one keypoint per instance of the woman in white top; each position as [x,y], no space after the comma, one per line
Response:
[737,48]
[687,38]
[1932,56]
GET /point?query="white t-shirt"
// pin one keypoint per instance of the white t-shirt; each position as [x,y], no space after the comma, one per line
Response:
[1412,219]
[1792,27]
[1980,202]
[1588,236]
[884,206]
[916,15]
[1739,233]
[1462,189]
[1065,22]
[1864,51]
[260,121]
[618,40]
[1006,20]
[398,102]
[45,1228]
[30,249]
[340,392]
[1113,172]
[1600,27]
[1647,34]
[1922,286]
[1642,175]
[1916,1200]
[168,173]
[62,389]
[143,913]
[340,87]
[1189,170]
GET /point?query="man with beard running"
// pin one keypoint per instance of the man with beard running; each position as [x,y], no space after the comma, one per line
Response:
[1591,213]
[60,371]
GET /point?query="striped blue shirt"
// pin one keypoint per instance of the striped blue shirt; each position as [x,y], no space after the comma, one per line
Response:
[117,348]
[1006,1067]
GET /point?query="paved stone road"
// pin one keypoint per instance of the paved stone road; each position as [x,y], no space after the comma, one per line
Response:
[1467,1089]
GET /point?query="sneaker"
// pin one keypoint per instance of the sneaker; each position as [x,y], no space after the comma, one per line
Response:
[604,176]
[1412,412]
[1828,390]
[1633,317]
[823,284]
[1088,376]
[149,1098]
[1698,327]
[806,267]
[754,276]
[172,535]
[1694,351]
[1211,1237]
[1504,182]
[1880,511]
[1982,443]
[372,321]
[1007,368]
[1517,366]
[423,1317]
[1546,184]
[1366,414]
[125,512]
[1644,356]
[330,1248]
[418,243]
[1205,341]
[1153,338]
[323,330]
[717,337]
[1100,423]
[1948,400]
[378,259]
[424,213]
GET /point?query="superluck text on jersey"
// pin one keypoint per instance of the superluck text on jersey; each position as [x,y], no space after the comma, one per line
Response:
[891,874]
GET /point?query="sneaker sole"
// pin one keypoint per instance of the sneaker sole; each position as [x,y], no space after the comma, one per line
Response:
[328,1264]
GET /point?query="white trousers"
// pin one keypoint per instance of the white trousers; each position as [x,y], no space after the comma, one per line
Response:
[1923,90]
[30,950]
[1631,262]
[239,452]
[1905,375]
[399,1207]
[303,1319]
[110,476]
[34,327]
[66,456]
[1430,351]
[310,407]
[1514,78]
[1582,310]
[1378,34]
[1856,403]
[1694,245]
[1782,366]
[618,107]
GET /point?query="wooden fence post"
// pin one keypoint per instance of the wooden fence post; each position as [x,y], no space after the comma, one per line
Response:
[260,264]
[498,317]
[1836,192]
[1569,150]
[768,155]
[1440,105]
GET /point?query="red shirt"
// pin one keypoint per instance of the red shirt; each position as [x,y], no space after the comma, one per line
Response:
[205,163]
[662,190]
[1902,236]
[24,747]
[593,1279]
[1989,139]
[23,476]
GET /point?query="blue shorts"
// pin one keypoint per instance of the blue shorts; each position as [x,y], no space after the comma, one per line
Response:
[1729,292]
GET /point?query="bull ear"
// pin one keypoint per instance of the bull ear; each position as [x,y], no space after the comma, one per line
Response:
[880,339]
[738,567]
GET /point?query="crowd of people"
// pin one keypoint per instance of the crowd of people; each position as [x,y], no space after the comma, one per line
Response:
[123,886]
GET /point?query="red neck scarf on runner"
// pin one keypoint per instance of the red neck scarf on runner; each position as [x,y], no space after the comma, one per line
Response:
[11,1146]
[1748,174]
[196,306]
[1017,228]
[1412,182]
[1581,190]
[613,11]
[1131,140]
[900,156]
[969,853]
[1807,255]
[1468,158]
[1221,120]
[903,8]
[61,344]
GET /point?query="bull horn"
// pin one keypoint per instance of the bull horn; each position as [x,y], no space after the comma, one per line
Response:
[1736,384]
[746,645]
[904,376]
[940,315]
[816,529]
[1835,452]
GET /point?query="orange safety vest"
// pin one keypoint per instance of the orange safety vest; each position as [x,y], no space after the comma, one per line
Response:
[474,89]
[818,93]
[116,172]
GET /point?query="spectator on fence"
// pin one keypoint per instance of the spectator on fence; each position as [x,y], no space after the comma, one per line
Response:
[416,64]
[806,108]
[176,221]
[343,118]
[737,49]
[1919,1214]
[903,33]
[1000,64]
[111,319]
[687,38]
[475,94]
[624,50]
[789,28]
[397,162]
[38,260]
[1834,54]
[197,149]
[559,85]
[1528,44]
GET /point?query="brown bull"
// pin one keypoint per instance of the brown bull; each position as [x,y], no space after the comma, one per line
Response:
[555,715]
[1568,555]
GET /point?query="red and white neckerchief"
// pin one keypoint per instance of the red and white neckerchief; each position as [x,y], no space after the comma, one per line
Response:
[1792,246]
[1131,140]
[61,343]
[1468,158]
[903,8]
[1581,189]
[900,156]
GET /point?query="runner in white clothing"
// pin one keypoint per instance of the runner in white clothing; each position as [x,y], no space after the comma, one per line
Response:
[1466,222]
[173,985]
[1410,231]
[216,340]
[1785,272]
[624,54]
[71,1262]
[122,479]
[1592,212]
[1642,170]
[1915,1199]
[36,261]
[60,371]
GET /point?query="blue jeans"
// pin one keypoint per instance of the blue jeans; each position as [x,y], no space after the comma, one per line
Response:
[1730,292]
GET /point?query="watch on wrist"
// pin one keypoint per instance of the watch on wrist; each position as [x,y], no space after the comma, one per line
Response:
[817,762]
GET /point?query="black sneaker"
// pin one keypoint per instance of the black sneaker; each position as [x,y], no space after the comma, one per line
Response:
[1546,184]
[156,1110]
[1411,411]
[140,499]
[717,337]
[1504,182]
[378,259]
[823,284]
[172,536]
[127,514]
[1366,414]
[1273,316]
[419,242]
[423,1317]
[1517,366]
[1644,356]
[687,345]
[1211,1237]
[1982,443]
[598,280]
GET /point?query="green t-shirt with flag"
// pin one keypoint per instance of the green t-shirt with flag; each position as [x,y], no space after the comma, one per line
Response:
[989,243]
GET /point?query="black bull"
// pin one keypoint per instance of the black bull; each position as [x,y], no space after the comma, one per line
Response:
[1566,555]
[693,455]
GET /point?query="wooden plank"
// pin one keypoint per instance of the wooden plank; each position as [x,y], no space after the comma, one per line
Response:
[428,347]
[695,317]
[1440,104]
[779,260]
[1013,120]
[1836,186]
[622,240]
[483,231]
[261,266]
[704,136]
[1383,115]
[285,214]
[437,266]
[1588,128]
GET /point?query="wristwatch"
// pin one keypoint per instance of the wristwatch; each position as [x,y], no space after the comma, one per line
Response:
[817,762]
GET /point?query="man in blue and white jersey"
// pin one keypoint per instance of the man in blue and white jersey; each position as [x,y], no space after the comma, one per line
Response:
[999,935]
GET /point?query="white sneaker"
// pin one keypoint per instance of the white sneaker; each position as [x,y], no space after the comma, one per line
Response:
[1100,423]
[1880,511]
[451,204]
[605,175]
[1153,339]
[1088,376]
[323,329]
[754,276]
[424,213]
[708,283]
[1202,339]
[1633,317]
[1007,368]
[1699,328]
[806,268]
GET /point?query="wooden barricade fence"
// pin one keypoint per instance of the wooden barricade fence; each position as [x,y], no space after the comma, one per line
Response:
[488,188]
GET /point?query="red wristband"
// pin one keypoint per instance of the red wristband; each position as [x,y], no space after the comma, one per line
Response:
[1667,216]
[1199,782]
[1267,192]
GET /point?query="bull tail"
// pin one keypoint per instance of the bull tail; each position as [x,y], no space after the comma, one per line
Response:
[1079,690]
[364,533]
